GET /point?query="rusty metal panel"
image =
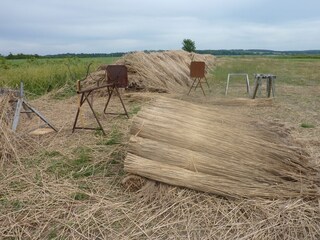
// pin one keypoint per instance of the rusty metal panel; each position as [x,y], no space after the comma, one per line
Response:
[118,75]
[197,69]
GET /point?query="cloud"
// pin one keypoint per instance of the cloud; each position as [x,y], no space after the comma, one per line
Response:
[47,27]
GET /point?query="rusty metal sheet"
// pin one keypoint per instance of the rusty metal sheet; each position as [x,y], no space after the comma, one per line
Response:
[197,69]
[118,75]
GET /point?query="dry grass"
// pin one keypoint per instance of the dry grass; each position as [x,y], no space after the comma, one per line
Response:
[72,188]
[156,72]
[12,145]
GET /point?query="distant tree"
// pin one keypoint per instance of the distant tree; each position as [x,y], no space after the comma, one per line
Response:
[188,45]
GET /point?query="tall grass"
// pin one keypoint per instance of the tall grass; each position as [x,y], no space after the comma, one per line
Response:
[293,71]
[41,76]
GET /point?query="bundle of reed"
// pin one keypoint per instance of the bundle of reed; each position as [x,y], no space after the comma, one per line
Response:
[167,71]
[155,72]
[218,151]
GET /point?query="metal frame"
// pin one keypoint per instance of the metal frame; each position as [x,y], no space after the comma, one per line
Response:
[115,81]
[85,98]
[245,75]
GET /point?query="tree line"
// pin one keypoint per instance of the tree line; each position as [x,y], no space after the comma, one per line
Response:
[221,52]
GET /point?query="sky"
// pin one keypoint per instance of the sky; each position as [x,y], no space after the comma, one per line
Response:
[104,26]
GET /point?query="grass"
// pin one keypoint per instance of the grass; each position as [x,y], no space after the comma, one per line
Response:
[114,137]
[41,76]
[293,71]
[307,125]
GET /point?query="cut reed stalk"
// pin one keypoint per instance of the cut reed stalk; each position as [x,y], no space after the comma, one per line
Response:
[217,151]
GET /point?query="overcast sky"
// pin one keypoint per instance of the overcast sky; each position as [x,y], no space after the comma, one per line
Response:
[105,26]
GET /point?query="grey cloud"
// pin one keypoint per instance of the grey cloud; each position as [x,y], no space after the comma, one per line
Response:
[45,27]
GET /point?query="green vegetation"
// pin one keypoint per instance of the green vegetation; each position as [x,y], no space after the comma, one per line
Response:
[79,196]
[135,109]
[259,52]
[80,166]
[41,76]
[188,45]
[289,70]
[307,125]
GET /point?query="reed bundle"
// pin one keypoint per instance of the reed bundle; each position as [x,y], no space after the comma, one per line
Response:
[157,71]
[217,151]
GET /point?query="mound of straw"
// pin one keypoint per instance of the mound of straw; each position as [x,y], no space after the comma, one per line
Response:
[217,151]
[157,71]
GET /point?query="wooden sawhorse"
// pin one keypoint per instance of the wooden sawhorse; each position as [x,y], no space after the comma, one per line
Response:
[270,78]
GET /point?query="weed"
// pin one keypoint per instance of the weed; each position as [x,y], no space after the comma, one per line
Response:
[53,234]
[17,186]
[98,132]
[79,196]
[114,137]
[52,154]
[17,205]
[307,125]
[83,156]
[135,109]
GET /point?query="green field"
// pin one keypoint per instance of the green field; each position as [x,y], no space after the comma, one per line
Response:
[41,76]
[289,70]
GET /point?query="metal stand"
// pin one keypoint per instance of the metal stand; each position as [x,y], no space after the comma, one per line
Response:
[197,72]
[22,103]
[85,98]
[245,75]
[270,78]
[117,77]
[110,92]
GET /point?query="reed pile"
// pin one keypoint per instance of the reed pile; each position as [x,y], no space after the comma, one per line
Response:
[218,151]
[157,71]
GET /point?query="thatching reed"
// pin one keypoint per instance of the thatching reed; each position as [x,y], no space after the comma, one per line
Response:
[157,71]
[217,151]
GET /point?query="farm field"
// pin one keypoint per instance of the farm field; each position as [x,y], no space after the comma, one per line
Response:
[41,76]
[72,185]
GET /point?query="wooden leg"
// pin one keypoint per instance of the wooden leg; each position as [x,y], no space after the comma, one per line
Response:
[227,86]
[94,114]
[40,116]
[248,85]
[192,86]
[269,85]
[255,89]
[125,110]
[110,92]
[77,114]
[207,83]
[17,114]
[201,87]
